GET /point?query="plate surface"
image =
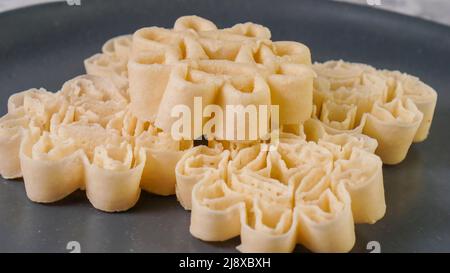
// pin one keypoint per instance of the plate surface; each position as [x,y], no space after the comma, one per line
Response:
[43,46]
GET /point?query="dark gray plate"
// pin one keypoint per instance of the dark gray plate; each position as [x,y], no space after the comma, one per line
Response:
[46,45]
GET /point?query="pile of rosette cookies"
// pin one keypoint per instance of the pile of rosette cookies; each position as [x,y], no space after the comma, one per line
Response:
[109,132]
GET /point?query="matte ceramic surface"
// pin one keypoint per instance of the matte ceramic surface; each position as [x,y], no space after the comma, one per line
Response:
[43,46]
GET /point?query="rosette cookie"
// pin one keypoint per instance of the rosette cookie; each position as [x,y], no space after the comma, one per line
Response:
[275,199]
[394,108]
[244,49]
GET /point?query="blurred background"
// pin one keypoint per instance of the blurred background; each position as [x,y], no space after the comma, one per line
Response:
[435,10]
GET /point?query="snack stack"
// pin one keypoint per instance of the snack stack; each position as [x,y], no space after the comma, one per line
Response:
[109,132]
